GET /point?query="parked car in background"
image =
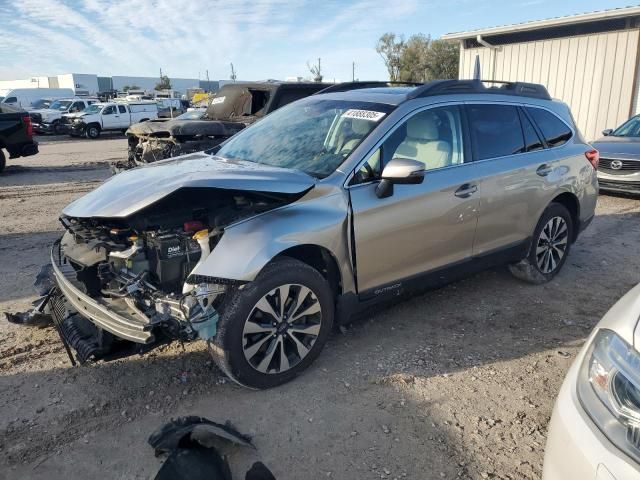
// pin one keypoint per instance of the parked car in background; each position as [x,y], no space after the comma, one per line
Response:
[619,169]
[594,430]
[110,116]
[16,134]
[171,107]
[234,107]
[24,97]
[326,206]
[41,103]
[50,119]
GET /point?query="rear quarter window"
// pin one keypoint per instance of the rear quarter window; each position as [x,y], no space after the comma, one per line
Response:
[554,130]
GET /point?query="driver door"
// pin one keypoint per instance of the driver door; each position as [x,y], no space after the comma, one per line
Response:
[110,118]
[419,228]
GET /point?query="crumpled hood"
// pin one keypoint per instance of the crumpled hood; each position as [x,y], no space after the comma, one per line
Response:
[619,147]
[185,127]
[133,190]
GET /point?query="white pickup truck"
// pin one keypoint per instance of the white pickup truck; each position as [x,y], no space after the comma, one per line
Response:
[49,120]
[107,116]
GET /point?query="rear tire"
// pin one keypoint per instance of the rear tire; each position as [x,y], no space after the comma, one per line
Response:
[3,161]
[550,246]
[92,131]
[260,350]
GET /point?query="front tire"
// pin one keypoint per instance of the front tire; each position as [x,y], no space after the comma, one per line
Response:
[3,161]
[57,129]
[92,131]
[550,246]
[275,327]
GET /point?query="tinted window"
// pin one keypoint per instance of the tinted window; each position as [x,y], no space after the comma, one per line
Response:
[122,109]
[109,110]
[554,130]
[496,130]
[77,107]
[11,100]
[532,141]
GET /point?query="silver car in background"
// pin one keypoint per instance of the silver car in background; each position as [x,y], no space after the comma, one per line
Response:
[619,168]
[336,202]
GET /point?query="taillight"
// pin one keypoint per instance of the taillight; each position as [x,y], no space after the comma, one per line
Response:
[594,158]
[29,125]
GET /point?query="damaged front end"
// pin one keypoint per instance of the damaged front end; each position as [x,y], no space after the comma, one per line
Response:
[124,284]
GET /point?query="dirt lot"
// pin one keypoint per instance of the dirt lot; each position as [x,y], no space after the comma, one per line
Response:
[455,383]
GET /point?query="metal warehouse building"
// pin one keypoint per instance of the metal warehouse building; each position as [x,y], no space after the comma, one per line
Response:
[590,61]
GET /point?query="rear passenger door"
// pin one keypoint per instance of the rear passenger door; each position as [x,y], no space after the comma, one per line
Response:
[515,174]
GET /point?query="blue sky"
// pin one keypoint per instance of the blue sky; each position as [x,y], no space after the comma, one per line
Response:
[263,38]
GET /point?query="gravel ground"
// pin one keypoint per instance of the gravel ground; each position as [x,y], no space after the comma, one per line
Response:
[455,383]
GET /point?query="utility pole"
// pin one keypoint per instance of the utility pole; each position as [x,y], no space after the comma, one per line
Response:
[208,84]
[353,72]
[233,73]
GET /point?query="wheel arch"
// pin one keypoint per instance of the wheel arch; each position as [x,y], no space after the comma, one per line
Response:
[570,202]
[321,259]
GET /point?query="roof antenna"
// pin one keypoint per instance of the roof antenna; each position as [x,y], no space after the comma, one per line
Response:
[476,69]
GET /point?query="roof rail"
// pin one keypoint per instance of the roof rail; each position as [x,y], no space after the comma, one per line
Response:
[346,86]
[441,87]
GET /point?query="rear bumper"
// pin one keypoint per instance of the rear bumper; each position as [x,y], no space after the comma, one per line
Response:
[116,319]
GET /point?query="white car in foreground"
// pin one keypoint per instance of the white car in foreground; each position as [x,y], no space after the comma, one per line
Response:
[595,427]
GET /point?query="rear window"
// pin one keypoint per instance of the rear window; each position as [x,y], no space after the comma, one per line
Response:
[496,130]
[554,130]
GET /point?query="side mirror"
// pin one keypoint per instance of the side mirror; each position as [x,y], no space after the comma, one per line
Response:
[607,131]
[402,171]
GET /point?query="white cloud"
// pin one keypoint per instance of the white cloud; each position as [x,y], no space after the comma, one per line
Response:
[264,38]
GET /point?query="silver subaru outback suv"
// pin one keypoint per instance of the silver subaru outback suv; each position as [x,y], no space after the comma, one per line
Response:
[331,204]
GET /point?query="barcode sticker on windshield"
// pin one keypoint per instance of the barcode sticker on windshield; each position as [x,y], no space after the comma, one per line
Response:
[363,115]
[217,100]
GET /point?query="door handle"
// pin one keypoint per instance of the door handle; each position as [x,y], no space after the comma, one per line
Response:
[544,170]
[466,190]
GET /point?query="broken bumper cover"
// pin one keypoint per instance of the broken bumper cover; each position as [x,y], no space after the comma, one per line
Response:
[112,317]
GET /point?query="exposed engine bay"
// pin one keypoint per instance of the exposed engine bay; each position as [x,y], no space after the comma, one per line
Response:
[140,267]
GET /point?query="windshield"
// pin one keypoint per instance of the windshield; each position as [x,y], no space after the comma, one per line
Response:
[312,135]
[93,109]
[42,103]
[192,115]
[631,128]
[61,105]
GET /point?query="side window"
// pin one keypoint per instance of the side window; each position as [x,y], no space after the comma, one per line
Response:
[532,141]
[77,107]
[433,137]
[496,130]
[110,110]
[555,131]
[11,100]
[122,109]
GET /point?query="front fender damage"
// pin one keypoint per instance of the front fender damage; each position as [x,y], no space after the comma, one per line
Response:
[121,280]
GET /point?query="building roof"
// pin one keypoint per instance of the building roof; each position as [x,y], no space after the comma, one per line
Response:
[615,13]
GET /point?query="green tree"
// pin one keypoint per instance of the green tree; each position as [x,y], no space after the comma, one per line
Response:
[419,59]
[390,48]
[164,83]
